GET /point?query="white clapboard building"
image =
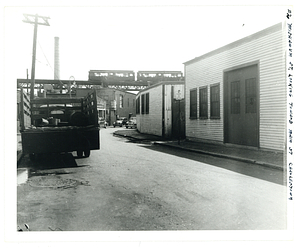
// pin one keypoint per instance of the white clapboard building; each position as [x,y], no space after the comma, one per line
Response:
[158,108]
[237,94]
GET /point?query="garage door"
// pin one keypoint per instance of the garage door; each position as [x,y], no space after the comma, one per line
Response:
[241,106]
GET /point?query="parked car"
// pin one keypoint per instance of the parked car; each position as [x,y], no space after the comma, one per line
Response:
[124,121]
[131,123]
[120,122]
[102,122]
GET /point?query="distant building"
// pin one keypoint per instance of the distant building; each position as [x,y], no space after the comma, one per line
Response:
[237,93]
[112,103]
[157,110]
[101,107]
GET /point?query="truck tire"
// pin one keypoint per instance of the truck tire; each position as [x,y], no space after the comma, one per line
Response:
[80,154]
[87,153]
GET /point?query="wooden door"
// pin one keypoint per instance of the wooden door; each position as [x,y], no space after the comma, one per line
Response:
[178,117]
[241,106]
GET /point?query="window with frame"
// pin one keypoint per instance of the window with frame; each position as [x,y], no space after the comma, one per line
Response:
[193,104]
[215,101]
[137,109]
[203,113]
[143,104]
[147,104]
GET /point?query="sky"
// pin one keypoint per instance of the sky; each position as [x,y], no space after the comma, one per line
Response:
[128,37]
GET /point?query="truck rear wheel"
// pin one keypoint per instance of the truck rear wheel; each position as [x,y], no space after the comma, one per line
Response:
[79,154]
[87,153]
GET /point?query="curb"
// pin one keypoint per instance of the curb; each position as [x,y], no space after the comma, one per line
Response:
[125,136]
[247,160]
[129,137]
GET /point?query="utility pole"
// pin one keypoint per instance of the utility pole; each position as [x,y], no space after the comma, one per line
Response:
[34,19]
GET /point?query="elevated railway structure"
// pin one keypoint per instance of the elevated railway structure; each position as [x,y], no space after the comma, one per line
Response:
[64,84]
[118,79]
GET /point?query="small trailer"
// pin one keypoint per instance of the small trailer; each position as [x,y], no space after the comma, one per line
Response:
[59,124]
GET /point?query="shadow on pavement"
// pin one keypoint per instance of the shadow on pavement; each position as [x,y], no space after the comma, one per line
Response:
[248,169]
[49,161]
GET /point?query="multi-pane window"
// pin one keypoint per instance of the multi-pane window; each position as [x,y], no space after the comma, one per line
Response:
[235,97]
[137,106]
[215,101]
[143,104]
[250,95]
[193,104]
[203,102]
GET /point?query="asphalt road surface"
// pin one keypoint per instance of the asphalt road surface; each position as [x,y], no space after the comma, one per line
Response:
[129,185]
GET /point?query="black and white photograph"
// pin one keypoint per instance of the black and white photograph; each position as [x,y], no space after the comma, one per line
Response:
[144,122]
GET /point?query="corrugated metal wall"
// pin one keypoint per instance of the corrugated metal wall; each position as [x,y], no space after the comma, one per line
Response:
[269,52]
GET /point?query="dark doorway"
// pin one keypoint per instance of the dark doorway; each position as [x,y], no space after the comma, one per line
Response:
[241,102]
[178,118]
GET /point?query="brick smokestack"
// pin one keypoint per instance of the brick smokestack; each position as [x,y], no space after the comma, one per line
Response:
[56,59]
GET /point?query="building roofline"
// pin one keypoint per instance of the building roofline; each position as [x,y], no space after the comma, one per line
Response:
[161,83]
[239,42]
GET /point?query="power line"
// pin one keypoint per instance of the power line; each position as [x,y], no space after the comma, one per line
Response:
[34,19]
[48,61]
[45,55]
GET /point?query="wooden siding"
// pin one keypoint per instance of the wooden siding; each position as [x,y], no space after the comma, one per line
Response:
[25,110]
[269,52]
[152,123]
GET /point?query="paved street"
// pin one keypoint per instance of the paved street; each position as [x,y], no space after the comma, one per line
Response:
[139,186]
